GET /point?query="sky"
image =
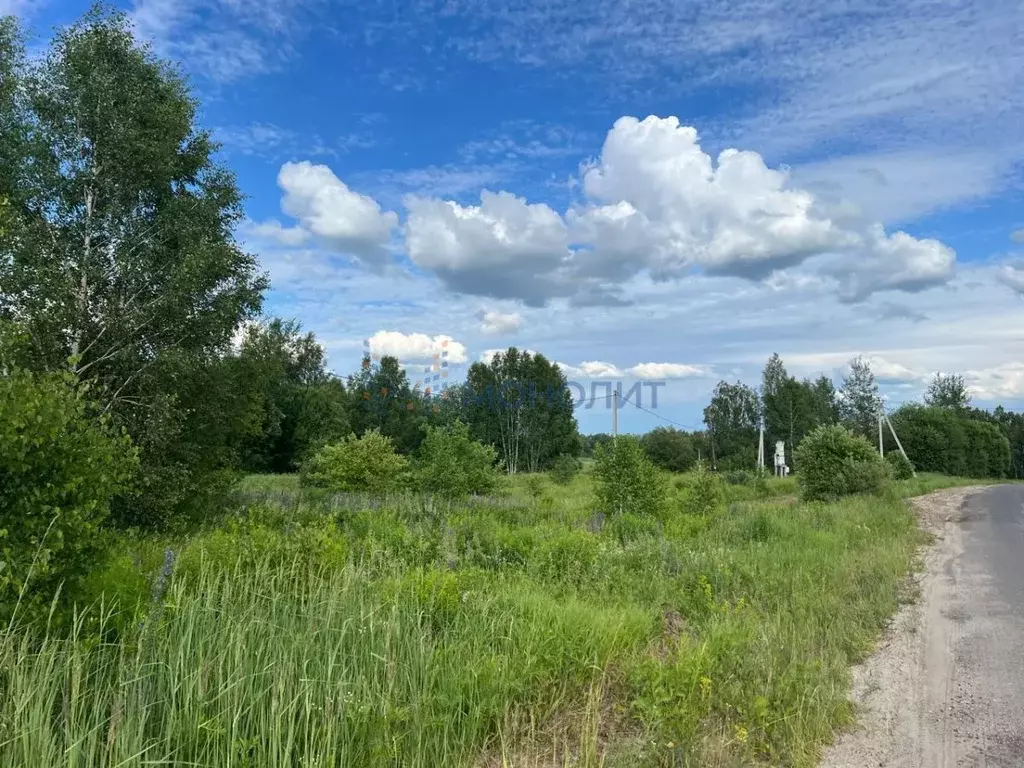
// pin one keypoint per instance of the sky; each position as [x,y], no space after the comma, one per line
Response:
[651,192]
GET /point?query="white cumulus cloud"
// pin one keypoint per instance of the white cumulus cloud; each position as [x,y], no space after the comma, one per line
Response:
[655,203]
[997,382]
[275,232]
[592,369]
[658,199]
[888,370]
[1012,276]
[596,369]
[897,261]
[504,247]
[655,371]
[416,347]
[345,220]
[659,202]
[495,323]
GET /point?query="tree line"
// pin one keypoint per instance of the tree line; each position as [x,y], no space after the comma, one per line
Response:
[942,433]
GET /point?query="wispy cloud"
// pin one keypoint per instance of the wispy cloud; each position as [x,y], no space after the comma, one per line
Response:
[223,41]
[451,180]
[274,142]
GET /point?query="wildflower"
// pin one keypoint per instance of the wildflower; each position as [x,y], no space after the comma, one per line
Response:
[741,734]
[705,686]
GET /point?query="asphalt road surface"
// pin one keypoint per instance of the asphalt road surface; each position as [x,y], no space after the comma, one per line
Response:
[946,686]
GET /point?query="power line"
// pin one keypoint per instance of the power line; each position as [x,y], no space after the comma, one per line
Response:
[688,428]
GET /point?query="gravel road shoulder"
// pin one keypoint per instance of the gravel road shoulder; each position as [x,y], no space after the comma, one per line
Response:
[916,706]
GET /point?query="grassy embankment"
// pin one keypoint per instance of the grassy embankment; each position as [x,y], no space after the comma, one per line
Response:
[520,630]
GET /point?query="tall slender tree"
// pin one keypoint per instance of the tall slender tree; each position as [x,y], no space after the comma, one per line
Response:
[120,264]
[860,402]
[732,419]
[792,408]
[826,405]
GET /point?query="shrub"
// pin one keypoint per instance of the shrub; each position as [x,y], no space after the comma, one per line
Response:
[834,462]
[739,477]
[452,464]
[669,449]
[248,542]
[60,465]
[899,465]
[368,463]
[988,450]
[705,494]
[761,487]
[934,438]
[627,481]
[951,441]
[565,469]
[534,485]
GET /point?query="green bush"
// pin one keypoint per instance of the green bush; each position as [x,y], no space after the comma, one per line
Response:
[739,477]
[951,442]
[834,462]
[565,469]
[249,542]
[988,450]
[705,494]
[899,465]
[368,463]
[451,463]
[669,449]
[60,465]
[534,485]
[627,481]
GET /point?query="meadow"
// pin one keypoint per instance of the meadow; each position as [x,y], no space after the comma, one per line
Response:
[518,629]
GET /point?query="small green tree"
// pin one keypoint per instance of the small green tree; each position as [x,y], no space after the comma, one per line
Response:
[899,465]
[565,469]
[368,463]
[670,449]
[860,402]
[948,391]
[627,481]
[705,493]
[834,462]
[60,465]
[451,463]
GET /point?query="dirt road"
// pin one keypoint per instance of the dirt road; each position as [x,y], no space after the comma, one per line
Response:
[946,687]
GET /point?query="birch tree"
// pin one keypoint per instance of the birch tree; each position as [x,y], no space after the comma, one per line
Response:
[119,263]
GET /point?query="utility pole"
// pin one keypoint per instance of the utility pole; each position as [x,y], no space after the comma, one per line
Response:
[760,446]
[898,443]
[615,413]
[881,450]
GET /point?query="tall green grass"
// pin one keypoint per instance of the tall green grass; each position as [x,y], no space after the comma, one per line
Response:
[520,630]
[278,665]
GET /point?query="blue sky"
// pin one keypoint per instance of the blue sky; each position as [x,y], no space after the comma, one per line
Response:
[561,176]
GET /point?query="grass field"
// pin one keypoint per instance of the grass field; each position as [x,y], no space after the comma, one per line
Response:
[521,629]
